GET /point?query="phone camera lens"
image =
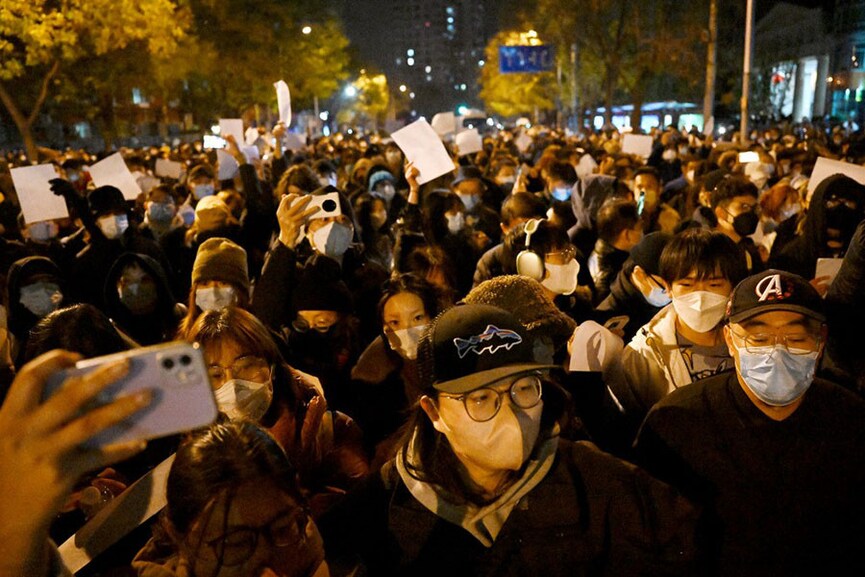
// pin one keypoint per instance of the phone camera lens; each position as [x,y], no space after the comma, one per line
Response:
[167,364]
[185,360]
[328,205]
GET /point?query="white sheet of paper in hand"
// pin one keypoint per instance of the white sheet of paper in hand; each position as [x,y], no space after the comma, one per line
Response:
[826,167]
[828,267]
[233,126]
[422,146]
[637,144]
[112,171]
[250,136]
[283,102]
[444,123]
[227,165]
[168,168]
[293,141]
[34,193]
[469,141]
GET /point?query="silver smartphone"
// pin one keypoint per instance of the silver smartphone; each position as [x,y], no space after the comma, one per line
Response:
[176,374]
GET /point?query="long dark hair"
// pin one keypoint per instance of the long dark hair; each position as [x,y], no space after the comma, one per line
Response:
[432,299]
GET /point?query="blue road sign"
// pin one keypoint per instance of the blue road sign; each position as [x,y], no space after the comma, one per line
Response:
[525,59]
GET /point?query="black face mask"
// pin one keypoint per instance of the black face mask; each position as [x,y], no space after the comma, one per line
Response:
[746,223]
[844,219]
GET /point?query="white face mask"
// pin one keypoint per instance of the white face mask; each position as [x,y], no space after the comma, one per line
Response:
[41,298]
[689,176]
[502,443]
[240,399]
[562,278]
[215,298]
[385,191]
[333,239]
[469,200]
[404,341]
[669,155]
[456,222]
[113,226]
[701,310]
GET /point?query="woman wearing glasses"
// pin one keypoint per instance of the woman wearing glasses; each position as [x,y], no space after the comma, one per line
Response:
[483,485]
[234,509]
[252,382]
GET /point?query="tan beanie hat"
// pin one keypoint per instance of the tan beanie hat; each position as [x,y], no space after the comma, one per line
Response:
[211,213]
[221,259]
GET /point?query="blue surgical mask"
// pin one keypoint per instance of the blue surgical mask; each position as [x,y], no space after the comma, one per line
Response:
[160,212]
[658,297]
[215,298]
[202,190]
[775,375]
[562,193]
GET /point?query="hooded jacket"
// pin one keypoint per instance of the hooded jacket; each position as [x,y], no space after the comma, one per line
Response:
[153,328]
[21,273]
[800,255]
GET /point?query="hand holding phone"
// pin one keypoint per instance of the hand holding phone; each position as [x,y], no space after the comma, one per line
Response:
[173,374]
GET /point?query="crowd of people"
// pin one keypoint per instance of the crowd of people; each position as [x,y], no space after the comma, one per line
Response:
[558,359]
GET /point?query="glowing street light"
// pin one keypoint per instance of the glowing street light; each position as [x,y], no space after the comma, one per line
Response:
[350,91]
[403,88]
[306,30]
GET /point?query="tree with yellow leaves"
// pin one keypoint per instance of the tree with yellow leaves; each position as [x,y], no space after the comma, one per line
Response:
[517,93]
[39,37]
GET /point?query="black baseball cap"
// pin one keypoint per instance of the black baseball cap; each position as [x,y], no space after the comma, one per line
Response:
[774,290]
[470,346]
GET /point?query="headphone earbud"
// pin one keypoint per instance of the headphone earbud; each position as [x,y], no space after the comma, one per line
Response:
[528,263]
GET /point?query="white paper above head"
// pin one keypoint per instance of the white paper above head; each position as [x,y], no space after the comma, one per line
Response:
[826,167]
[232,126]
[251,153]
[227,165]
[250,136]
[444,123]
[34,193]
[146,183]
[523,142]
[637,144]
[168,168]
[293,142]
[283,102]
[469,141]
[112,171]
[423,147]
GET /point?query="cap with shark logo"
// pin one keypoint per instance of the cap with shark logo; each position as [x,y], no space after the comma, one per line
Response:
[470,346]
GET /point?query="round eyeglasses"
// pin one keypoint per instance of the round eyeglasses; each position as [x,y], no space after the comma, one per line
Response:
[483,404]
[796,343]
[238,545]
[248,368]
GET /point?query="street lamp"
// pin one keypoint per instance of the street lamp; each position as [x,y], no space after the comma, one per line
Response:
[350,91]
[306,30]
[403,88]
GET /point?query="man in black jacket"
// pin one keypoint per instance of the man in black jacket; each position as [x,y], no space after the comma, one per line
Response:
[773,454]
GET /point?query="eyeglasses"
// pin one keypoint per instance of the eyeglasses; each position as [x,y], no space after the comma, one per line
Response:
[483,404]
[564,256]
[238,545]
[796,343]
[248,368]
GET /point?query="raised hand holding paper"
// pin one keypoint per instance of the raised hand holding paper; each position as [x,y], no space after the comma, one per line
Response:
[231,126]
[283,100]
[112,171]
[422,146]
[34,193]
[227,166]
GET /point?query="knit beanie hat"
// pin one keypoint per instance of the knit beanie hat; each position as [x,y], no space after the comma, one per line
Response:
[106,199]
[321,288]
[211,213]
[221,259]
[526,300]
